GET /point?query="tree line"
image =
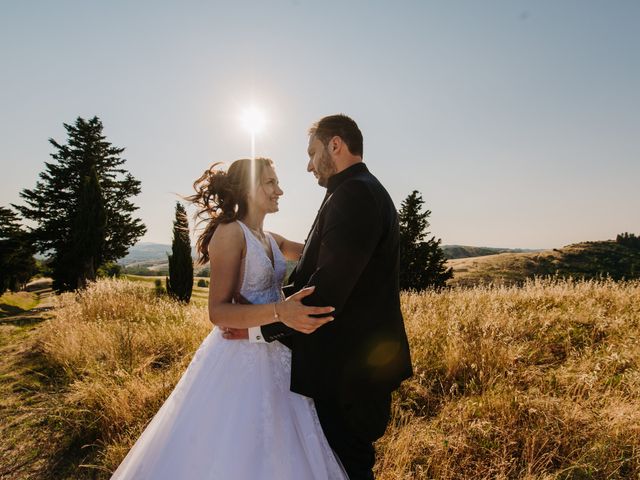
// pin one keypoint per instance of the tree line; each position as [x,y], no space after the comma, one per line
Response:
[84,220]
[628,240]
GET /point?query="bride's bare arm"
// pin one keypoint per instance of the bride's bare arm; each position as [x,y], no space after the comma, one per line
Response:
[226,251]
[290,249]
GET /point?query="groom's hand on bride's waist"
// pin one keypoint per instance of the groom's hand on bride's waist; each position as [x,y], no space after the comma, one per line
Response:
[303,318]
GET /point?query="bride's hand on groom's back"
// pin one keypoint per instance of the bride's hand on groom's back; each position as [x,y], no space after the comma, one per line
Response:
[294,314]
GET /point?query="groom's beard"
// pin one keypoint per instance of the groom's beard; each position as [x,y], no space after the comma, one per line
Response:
[326,168]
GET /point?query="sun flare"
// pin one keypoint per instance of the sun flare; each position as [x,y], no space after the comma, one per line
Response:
[253,120]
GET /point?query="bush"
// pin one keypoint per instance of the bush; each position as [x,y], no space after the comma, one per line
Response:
[159,288]
[143,271]
[110,269]
[203,283]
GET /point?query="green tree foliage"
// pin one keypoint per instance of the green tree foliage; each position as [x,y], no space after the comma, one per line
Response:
[109,270]
[88,233]
[628,240]
[17,264]
[82,206]
[159,289]
[141,270]
[205,272]
[422,262]
[180,280]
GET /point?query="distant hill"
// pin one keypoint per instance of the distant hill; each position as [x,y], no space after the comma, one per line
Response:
[146,252]
[464,251]
[156,253]
[147,258]
[497,265]
[581,260]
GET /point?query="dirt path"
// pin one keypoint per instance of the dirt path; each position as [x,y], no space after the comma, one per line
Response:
[26,432]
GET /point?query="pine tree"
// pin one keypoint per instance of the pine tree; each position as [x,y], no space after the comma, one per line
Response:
[422,263]
[79,235]
[180,280]
[17,264]
[88,230]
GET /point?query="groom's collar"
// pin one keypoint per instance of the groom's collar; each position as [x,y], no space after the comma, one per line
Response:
[338,178]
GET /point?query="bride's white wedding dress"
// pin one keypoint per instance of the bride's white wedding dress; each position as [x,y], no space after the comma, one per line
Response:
[232,416]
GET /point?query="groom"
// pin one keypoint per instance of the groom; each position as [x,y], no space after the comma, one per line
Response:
[351,365]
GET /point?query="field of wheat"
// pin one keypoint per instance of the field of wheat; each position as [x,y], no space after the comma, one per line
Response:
[538,381]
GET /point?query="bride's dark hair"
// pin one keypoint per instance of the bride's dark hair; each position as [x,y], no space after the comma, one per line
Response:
[222,197]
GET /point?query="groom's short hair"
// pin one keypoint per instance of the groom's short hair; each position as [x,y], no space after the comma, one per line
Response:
[342,126]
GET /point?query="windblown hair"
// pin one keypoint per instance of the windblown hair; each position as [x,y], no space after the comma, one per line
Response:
[222,197]
[342,126]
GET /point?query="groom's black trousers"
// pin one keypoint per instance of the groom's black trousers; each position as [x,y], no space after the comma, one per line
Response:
[351,426]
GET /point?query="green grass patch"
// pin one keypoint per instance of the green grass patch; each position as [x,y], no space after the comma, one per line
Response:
[17,303]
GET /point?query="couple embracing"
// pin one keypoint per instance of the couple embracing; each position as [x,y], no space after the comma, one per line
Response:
[295,386]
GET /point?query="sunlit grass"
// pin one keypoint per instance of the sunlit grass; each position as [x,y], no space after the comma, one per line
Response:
[13,303]
[199,295]
[534,382]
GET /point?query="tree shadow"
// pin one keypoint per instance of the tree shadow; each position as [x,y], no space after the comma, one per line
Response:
[69,453]
[30,319]
[7,310]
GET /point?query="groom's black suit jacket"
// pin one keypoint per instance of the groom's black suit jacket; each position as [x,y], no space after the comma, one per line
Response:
[352,258]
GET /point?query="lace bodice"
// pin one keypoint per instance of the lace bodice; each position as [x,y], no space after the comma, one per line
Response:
[262,280]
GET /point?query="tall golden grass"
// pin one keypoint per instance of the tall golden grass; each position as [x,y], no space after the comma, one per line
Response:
[538,381]
[121,349]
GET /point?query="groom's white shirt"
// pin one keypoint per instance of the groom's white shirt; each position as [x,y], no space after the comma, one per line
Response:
[255,335]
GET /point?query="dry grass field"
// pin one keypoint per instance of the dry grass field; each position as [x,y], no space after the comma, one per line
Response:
[539,381]
[199,295]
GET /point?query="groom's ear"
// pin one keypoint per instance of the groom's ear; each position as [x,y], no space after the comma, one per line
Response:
[335,144]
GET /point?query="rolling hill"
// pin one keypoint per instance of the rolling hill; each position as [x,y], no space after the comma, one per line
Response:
[478,265]
[581,260]
[466,251]
[146,252]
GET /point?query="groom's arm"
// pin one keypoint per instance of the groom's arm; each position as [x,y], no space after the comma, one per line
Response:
[350,233]
[271,332]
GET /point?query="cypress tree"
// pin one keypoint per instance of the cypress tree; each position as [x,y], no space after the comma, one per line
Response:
[17,264]
[180,280]
[86,169]
[422,263]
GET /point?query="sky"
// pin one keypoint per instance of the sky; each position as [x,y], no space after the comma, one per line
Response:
[518,121]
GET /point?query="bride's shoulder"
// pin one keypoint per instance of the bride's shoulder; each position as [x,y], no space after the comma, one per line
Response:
[227,236]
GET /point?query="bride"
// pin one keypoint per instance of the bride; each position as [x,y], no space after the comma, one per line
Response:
[232,415]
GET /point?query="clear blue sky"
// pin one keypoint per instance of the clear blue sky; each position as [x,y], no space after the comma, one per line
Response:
[519,121]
